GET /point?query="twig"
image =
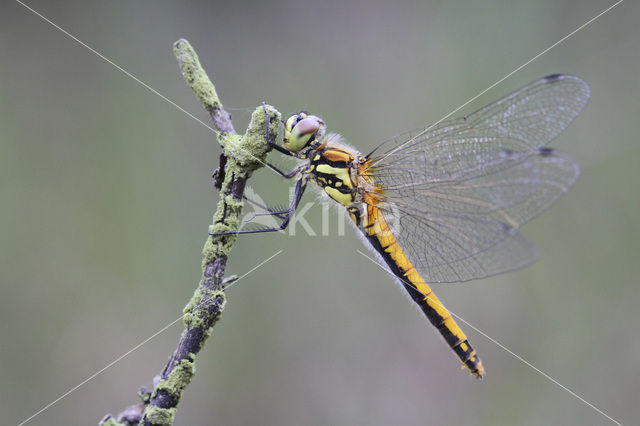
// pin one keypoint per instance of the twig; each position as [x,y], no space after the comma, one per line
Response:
[242,155]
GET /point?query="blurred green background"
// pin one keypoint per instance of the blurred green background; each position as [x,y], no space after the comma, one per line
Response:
[106,198]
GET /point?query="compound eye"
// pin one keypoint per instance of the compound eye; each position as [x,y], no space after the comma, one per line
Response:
[307,126]
[293,120]
[300,130]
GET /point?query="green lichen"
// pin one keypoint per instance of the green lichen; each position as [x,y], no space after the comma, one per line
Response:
[245,154]
[195,76]
[178,379]
[193,317]
[174,385]
[250,151]
[145,395]
[159,416]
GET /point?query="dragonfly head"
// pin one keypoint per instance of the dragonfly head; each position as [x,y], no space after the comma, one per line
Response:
[302,131]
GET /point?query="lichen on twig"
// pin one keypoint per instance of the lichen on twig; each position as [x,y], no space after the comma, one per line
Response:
[242,155]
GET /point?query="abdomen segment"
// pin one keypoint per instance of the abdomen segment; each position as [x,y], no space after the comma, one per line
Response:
[380,237]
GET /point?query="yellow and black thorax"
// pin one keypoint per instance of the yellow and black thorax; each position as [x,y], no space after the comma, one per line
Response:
[335,169]
[329,164]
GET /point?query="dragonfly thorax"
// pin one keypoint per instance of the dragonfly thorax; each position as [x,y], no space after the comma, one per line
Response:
[331,164]
[334,168]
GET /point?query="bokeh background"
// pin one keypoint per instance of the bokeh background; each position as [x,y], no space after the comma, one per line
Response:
[106,198]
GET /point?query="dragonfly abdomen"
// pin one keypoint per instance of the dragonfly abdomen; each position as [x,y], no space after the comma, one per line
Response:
[380,237]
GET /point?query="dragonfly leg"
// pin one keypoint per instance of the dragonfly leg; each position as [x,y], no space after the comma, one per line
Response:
[268,211]
[271,143]
[286,175]
[278,148]
[287,214]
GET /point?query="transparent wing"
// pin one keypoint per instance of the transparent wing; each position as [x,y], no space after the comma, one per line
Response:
[455,194]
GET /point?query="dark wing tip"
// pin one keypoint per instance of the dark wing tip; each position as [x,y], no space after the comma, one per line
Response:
[546,151]
[554,77]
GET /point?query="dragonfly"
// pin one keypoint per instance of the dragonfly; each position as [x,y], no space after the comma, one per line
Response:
[444,203]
